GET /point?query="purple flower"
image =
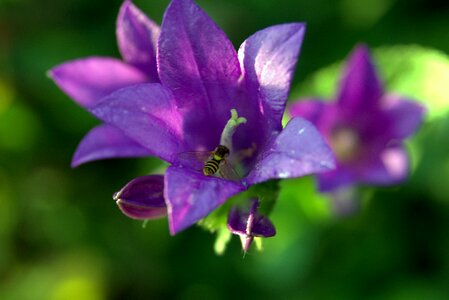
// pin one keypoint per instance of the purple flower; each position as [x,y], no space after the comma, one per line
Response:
[210,95]
[365,127]
[247,223]
[90,79]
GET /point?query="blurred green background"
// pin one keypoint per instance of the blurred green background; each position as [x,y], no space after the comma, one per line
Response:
[62,236]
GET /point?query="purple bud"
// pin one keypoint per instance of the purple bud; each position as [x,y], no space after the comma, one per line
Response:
[248,223]
[143,198]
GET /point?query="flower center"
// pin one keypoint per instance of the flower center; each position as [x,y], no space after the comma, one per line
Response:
[345,143]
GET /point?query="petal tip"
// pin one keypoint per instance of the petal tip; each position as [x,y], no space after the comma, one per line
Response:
[55,72]
[124,8]
[75,163]
[361,52]
[361,49]
[50,74]
[301,26]
[173,226]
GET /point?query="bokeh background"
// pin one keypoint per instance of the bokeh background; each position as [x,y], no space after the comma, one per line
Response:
[62,236]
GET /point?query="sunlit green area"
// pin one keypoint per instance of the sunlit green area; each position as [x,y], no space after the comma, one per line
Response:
[63,237]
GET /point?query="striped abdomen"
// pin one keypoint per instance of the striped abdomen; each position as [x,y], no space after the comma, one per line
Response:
[211,167]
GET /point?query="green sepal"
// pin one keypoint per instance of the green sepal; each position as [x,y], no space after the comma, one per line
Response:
[222,239]
[258,241]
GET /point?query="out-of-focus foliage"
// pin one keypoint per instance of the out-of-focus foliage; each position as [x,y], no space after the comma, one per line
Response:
[62,236]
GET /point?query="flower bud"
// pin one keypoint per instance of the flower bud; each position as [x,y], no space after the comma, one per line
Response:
[143,198]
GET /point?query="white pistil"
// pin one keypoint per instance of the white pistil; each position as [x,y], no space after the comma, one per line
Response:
[229,129]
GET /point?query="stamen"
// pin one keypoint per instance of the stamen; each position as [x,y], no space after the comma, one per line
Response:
[229,129]
[345,143]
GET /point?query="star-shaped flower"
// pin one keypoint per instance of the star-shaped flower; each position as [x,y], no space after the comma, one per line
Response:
[364,126]
[210,95]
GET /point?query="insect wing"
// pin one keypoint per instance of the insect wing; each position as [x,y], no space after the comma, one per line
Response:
[227,171]
[193,159]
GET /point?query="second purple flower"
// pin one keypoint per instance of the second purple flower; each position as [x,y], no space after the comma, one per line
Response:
[365,127]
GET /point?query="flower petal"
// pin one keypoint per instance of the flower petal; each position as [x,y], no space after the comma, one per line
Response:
[143,198]
[263,227]
[391,167]
[237,221]
[268,59]
[106,141]
[199,64]
[137,39]
[341,176]
[90,79]
[405,116]
[191,196]
[147,114]
[297,151]
[309,109]
[360,87]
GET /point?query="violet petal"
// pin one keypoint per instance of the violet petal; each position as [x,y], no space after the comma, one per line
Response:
[191,196]
[391,167]
[309,109]
[297,151]
[405,116]
[90,79]
[143,198]
[137,39]
[263,227]
[360,88]
[237,221]
[106,141]
[199,64]
[339,177]
[147,114]
[268,59]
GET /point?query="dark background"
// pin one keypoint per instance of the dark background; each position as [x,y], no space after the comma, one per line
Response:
[62,236]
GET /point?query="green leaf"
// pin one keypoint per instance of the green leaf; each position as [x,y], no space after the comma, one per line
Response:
[419,73]
[432,170]
[314,206]
[412,71]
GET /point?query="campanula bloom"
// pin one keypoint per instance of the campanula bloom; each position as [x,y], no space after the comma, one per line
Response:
[365,127]
[209,95]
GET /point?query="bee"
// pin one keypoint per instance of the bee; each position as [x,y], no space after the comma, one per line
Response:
[217,157]
[210,162]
